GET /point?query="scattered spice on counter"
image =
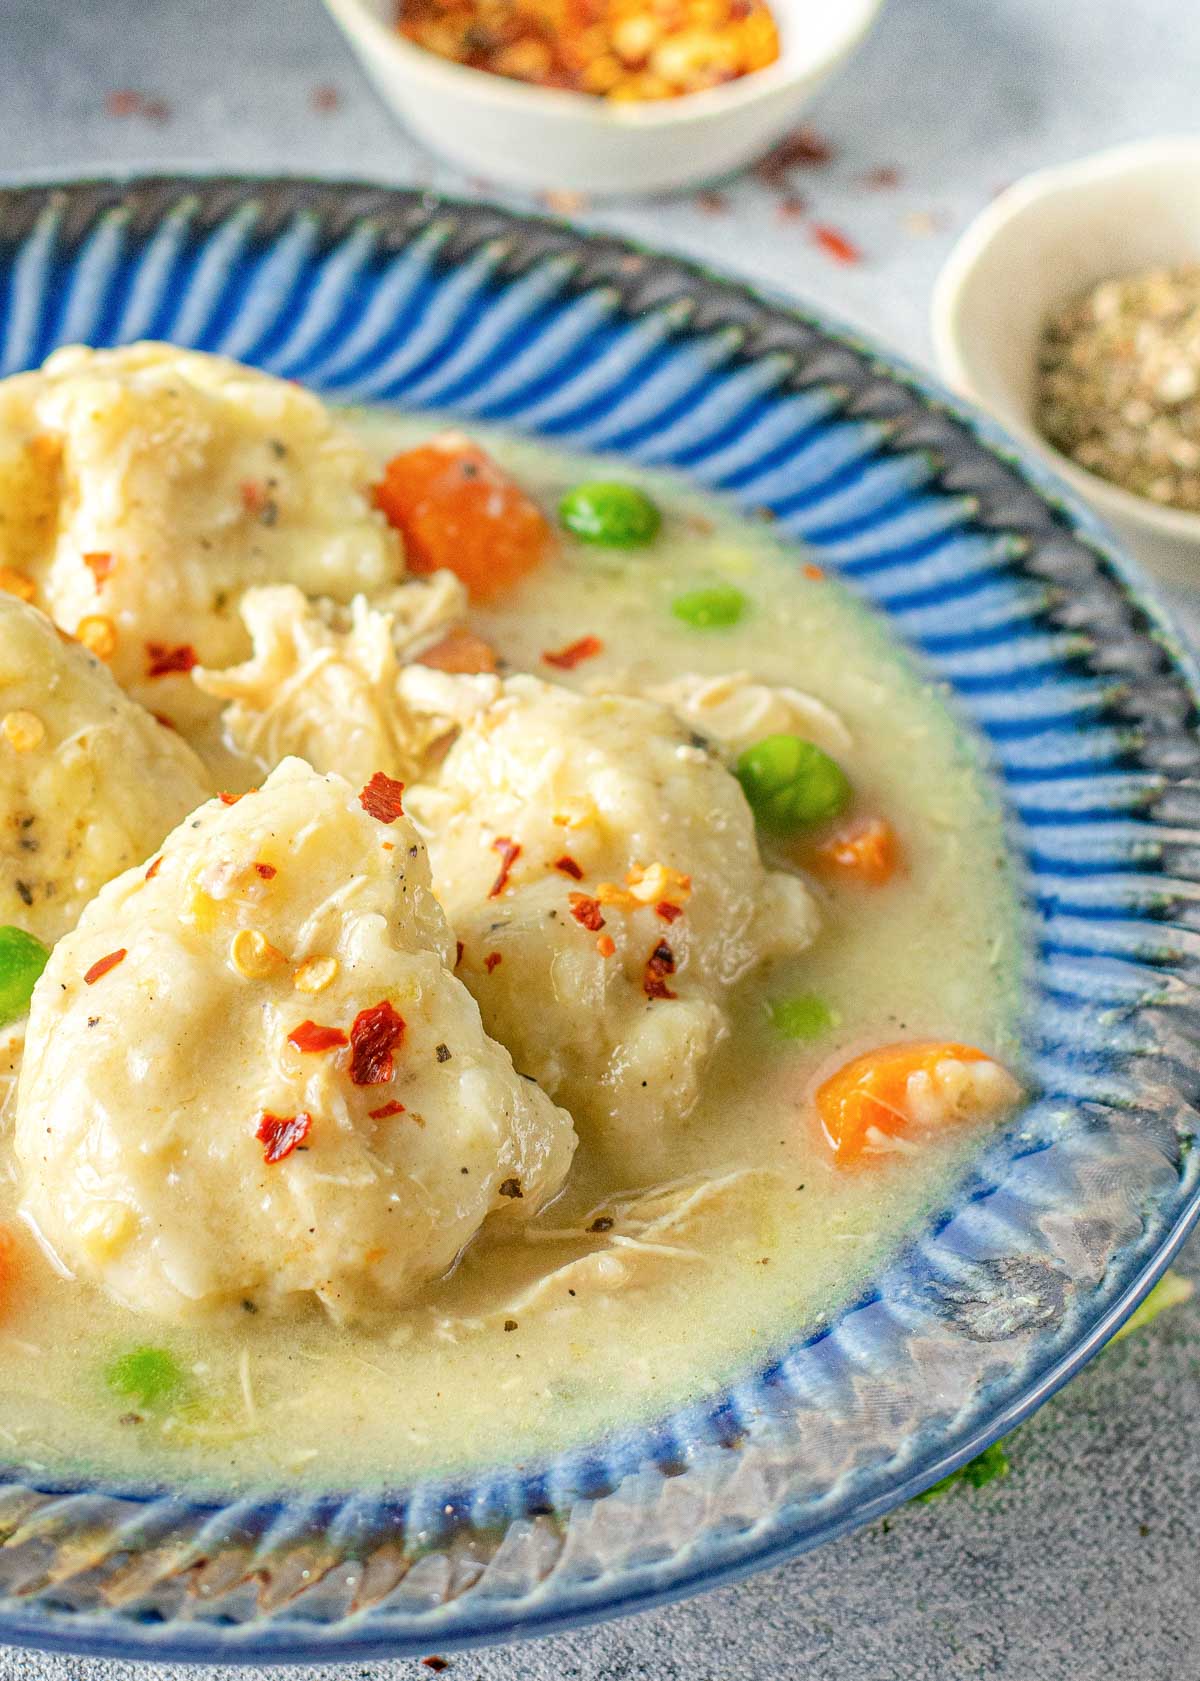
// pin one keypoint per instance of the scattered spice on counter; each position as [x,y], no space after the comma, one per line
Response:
[128,102]
[791,207]
[1119,383]
[612,49]
[835,244]
[883,178]
[712,204]
[805,149]
[325,98]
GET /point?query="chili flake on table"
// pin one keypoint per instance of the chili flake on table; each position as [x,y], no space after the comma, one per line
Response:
[612,49]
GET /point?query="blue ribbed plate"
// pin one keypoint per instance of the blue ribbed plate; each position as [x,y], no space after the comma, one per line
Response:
[1087,706]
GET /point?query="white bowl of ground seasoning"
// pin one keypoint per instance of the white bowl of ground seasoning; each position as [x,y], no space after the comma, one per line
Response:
[1071,310]
[503,128]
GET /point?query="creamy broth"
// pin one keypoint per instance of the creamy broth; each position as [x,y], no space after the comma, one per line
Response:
[756,1237]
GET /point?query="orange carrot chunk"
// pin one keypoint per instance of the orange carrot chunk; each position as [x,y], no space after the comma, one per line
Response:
[455,508]
[873,1104]
[867,852]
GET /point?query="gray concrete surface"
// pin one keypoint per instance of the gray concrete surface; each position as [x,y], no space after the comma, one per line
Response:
[1082,1565]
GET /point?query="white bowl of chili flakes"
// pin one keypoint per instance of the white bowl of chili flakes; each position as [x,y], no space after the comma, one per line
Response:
[527,135]
[1045,242]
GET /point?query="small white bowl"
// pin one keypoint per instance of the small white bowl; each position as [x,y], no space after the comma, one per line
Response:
[543,137]
[1046,240]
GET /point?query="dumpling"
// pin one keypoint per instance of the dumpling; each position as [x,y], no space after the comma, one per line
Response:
[602,874]
[250,1075]
[326,682]
[153,485]
[89,781]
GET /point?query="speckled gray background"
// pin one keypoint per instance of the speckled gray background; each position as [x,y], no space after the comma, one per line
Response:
[1082,1565]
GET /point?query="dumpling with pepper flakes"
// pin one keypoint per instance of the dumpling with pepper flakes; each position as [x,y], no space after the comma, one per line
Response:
[152,485]
[602,874]
[89,781]
[250,1075]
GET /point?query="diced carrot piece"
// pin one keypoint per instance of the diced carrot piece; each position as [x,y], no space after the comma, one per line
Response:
[867,852]
[461,652]
[456,508]
[887,1094]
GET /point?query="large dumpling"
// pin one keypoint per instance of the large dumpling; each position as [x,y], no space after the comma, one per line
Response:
[89,781]
[251,1076]
[602,874]
[149,486]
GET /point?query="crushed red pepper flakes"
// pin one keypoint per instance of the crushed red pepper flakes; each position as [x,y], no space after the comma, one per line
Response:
[667,911]
[605,945]
[385,1110]
[267,871]
[815,573]
[568,867]
[436,1663]
[162,659]
[835,244]
[311,1036]
[381,798]
[791,208]
[459,948]
[99,565]
[123,102]
[586,911]
[161,718]
[882,178]
[254,496]
[491,960]
[805,149]
[375,1034]
[659,964]
[103,964]
[712,204]
[280,1134]
[325,98]
[509,851]
[566,659]
[154,868]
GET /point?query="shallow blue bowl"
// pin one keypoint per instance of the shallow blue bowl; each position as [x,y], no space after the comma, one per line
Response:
[1087,707]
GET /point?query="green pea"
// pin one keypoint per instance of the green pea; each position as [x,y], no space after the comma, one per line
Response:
[618,515]
[148,1376]
[710,609]
[790,783]
[22,959]
[803,1017]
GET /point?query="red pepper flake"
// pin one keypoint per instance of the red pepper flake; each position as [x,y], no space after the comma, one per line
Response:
[712,204]
[815,573]
[659,964]
[123,102]
[566,659]
[805,149]
[381,798]
[586,912]
[161,718]
[568,867]
[99,565]
[280,1134]
[835,244]
[882,178]
[254,496]
[154,868]
[667,911]
[228,799]
[162,659]
[385,1110]
[436,1663]
[791,208]
[267,871]
[509,851]
[155,110]
[325,97]
[311,1036]
[103,964]
[459,948]
[374,1035]
[491,960]
[605,945]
